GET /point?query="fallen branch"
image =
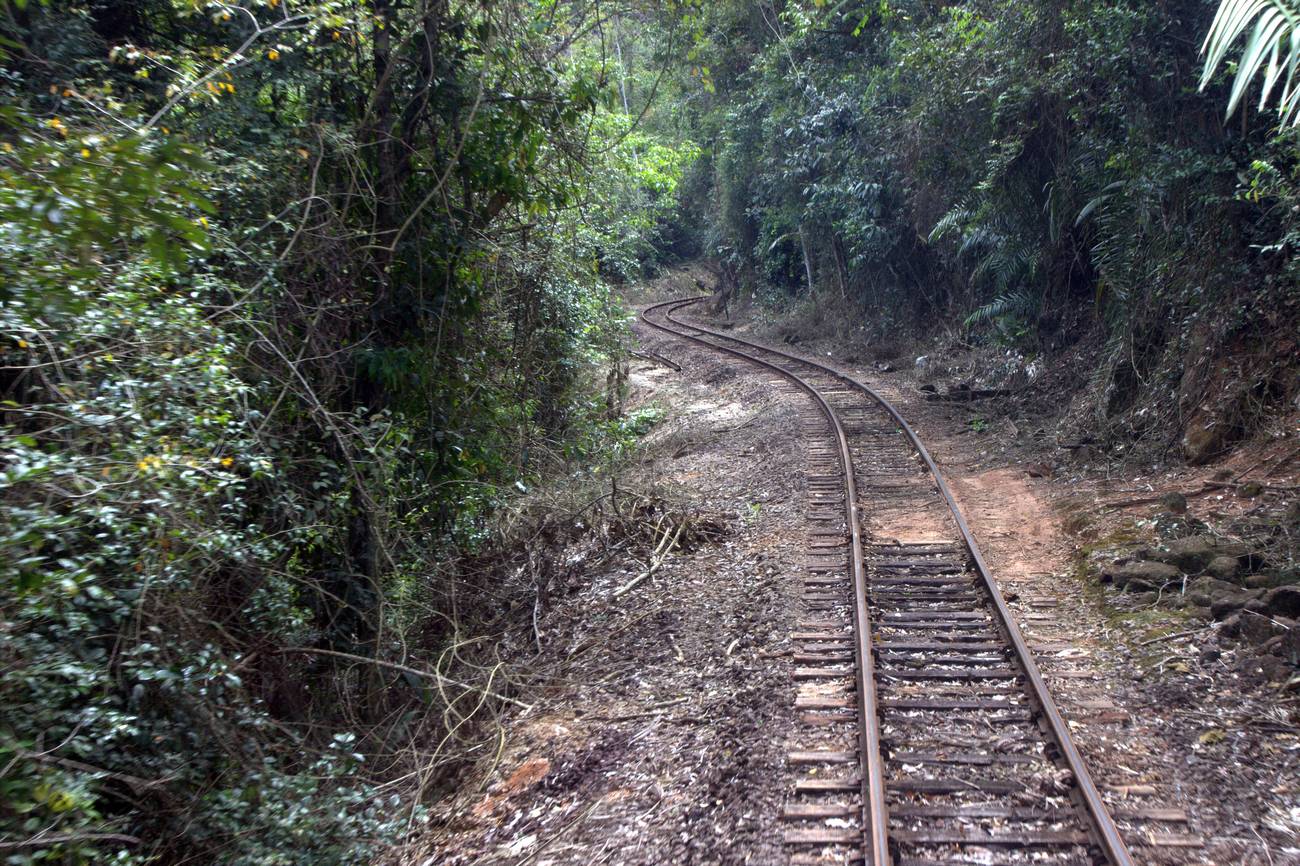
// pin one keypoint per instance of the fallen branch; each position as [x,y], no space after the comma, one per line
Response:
[1277,467]
[42,839]
[656,562]
[647,355]
[683,448]
[1250,468]
[592,642]
[1146,500]
[429,675]
[965,395]
[1206,488]
[644,714]
[1267,617]
[136,784]
[554,837]
[1232,485]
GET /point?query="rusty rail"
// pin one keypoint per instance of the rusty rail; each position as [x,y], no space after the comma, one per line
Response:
[875,819]
[1101,825]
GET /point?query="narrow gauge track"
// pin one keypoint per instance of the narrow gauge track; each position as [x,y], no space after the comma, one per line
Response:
[932,737]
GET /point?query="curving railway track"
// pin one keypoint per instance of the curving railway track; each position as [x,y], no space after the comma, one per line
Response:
[928,734]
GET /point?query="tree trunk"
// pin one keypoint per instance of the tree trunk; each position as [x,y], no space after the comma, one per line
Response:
[807,259]
[841,265]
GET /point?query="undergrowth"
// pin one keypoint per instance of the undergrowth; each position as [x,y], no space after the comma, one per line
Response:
[299,302]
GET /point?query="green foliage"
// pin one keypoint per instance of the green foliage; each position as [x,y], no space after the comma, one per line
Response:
[1004,261]
[295,296]
[1021,168]
[1272,51]
[64,197]
[1017,307]
[635,191]
[140,481]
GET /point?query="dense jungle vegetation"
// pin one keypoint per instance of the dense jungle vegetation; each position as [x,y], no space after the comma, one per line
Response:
[1034,174]
[299,298]
[294,296]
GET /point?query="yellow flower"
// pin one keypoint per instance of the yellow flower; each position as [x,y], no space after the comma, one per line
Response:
[336,36]
[22,344]
[203,221]
[85,153]
[227,462]
[273,55]
[225,16]
[149,463]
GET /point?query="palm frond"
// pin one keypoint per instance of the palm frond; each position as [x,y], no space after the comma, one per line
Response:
[981,239]
[1004,267]
[1097,201]
[953,220]
[1272,50]
[1021,304]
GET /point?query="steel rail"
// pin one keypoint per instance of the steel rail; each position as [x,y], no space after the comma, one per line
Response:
[1102,825]
[875,819]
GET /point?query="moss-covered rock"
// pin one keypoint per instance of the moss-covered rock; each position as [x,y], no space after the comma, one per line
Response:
[1194,554]
[1203,591]
[1223,567]
[1141,576]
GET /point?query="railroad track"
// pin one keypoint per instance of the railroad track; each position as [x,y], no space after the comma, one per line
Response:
[928,734]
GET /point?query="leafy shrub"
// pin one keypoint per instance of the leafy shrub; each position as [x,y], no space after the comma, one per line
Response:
[1007,166]
[288,310]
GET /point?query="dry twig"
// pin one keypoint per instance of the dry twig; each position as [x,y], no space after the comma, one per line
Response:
[656,562]
[438,678]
